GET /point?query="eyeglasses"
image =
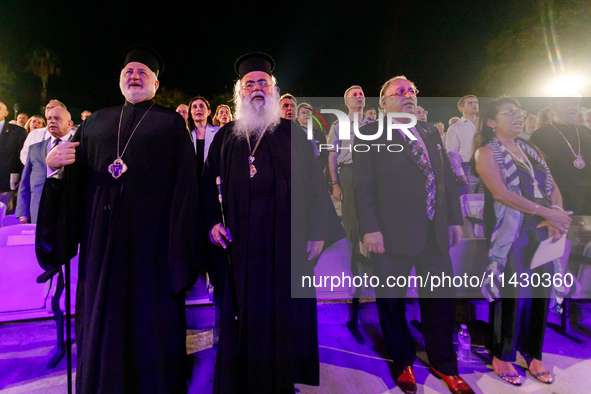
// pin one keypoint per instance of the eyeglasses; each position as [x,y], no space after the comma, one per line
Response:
[404,93]
[512,112]
[251,84]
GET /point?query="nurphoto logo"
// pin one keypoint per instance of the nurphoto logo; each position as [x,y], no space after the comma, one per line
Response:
[345,131]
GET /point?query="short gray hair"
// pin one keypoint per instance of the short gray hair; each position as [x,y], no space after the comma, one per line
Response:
[351,88]
[58,103]
[389,81]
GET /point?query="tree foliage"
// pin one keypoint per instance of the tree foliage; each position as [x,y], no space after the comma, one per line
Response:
[221,98]
[171,98]
[43,63]
[7,81]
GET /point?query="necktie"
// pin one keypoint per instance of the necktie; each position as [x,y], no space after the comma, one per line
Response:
[55,143]
[425,166]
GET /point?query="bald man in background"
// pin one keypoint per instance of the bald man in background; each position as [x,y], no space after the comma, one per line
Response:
[59,122]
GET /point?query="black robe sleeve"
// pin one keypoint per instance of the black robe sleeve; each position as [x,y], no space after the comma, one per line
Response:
[60,218]
[185,239]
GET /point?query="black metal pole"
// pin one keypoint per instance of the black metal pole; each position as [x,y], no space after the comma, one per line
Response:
[68,327]
[67,282]
[218,182]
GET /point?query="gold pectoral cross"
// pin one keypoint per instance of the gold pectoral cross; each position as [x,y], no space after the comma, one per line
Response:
[253,169]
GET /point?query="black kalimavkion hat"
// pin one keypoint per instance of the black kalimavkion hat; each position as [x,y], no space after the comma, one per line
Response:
[255,61]
[145,55]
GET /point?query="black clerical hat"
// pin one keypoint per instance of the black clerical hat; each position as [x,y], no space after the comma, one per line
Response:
[255,61]
[145,55]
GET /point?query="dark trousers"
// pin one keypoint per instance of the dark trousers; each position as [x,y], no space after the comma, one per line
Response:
[518,324]
[519,317]
[348,211]
[437,307]
[349,220]
[474,184]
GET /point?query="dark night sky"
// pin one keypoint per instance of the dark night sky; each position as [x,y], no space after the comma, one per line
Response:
[320,48]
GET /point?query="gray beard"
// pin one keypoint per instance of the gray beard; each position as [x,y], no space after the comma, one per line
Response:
[569,119]
[255,118]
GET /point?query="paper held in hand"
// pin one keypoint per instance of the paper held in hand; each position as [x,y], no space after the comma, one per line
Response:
[548,250]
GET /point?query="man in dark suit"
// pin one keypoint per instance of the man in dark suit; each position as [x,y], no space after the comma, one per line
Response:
[409,214]
[303,115]
[34,175]
[12,138]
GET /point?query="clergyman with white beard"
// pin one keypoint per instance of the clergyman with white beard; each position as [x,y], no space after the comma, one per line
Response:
[276,212]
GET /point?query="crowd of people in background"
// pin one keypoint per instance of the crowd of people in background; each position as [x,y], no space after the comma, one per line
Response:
[457,139]
[534,170]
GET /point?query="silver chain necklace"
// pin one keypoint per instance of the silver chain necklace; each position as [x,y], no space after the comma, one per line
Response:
[579,162]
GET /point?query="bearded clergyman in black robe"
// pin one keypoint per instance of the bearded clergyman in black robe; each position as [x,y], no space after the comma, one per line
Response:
[276,210]
[128,195]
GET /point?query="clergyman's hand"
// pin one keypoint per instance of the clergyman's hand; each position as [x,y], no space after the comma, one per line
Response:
[218,235]
[62,155]
[374,242]
[314,247]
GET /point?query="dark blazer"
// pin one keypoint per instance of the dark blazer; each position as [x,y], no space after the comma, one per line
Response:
[12,138]
[319,138]
[390,193]
[32,181]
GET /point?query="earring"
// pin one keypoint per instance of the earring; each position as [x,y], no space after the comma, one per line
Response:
[494,129]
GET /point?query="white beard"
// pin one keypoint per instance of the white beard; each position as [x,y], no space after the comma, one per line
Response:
[133,95]
[256,117]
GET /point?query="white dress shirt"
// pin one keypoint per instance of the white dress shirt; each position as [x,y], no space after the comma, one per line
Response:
[57,173]
[345,146]
[460,140]
[34,136]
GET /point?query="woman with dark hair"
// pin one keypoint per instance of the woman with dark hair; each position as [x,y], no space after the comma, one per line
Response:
[202,132]
[520,197]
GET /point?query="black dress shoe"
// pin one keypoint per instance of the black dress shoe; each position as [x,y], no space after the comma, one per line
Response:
[406,381]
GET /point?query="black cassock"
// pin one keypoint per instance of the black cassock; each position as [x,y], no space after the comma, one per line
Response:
[574,183]
[139,239]
[270,216]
